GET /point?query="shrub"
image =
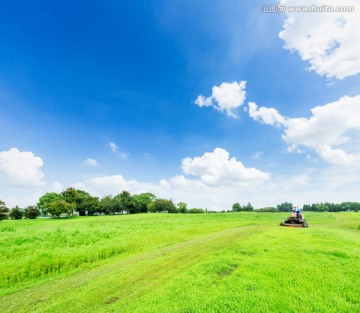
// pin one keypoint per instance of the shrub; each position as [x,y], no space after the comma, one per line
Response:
[267,209]
[31,212]
[195,211]
[16,213]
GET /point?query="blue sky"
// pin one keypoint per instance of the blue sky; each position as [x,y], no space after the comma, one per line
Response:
[118,83]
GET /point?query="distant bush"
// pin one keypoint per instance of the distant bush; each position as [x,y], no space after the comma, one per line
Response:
[267,209]
[195,211]
[31,212]
[16,213]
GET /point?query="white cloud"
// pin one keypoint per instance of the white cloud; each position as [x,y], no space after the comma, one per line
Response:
[21,168]
[330,42]
[215,174]
[226,98]
[57,187]
[295,149]
[91,162]
[217,168]
[338,156]
[114,184]
[330,131]
[113,146]
[266,115]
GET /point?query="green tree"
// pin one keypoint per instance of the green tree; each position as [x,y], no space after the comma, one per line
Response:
[16,213]
[236,207]
[143,201]
[3,211]
[59,207]
[124,202]
[248,207]
[321,208]
[31,212]
[76,197]
[47,199]
[182,207]
[350,206]
[285,207]
[163,205]
[107,205]
[195,211]
[91,205]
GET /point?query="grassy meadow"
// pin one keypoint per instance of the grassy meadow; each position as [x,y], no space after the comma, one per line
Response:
[234,262]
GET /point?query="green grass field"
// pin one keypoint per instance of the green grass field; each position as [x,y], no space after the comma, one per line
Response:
[235,262]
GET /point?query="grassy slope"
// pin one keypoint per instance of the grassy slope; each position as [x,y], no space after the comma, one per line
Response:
[181,263]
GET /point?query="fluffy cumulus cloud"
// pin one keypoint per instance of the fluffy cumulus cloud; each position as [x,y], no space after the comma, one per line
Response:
[112,184]
[21,168]
[266,115]
[226,98]
[205,181]
[330,42]
[332,131]
[217,168]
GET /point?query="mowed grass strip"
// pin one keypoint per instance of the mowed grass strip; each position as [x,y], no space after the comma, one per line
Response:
[225,263]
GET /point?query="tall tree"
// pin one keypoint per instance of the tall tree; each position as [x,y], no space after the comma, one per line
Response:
[107,205]
[47,199]
[182,207]
[76,197]
[124,202]
[59,207]
[236,207]
[91,205]
[248,207]
[143,201]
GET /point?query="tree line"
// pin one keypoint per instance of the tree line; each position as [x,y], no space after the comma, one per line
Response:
[315,207]
[77,201]
[72,201]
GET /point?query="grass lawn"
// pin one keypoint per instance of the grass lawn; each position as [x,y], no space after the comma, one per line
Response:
[235,262]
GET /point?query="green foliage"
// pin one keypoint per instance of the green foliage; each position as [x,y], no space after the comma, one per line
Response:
[75,197]
[16,213]
[267,209]
[47,199]
[238,208]
[59,207]
[107,205]
[3,211]
[195,211]
[31,212]
[124,202]
[143,201]
[163,205]
[182,207]
[285,207]
[91,205]
[332,207]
